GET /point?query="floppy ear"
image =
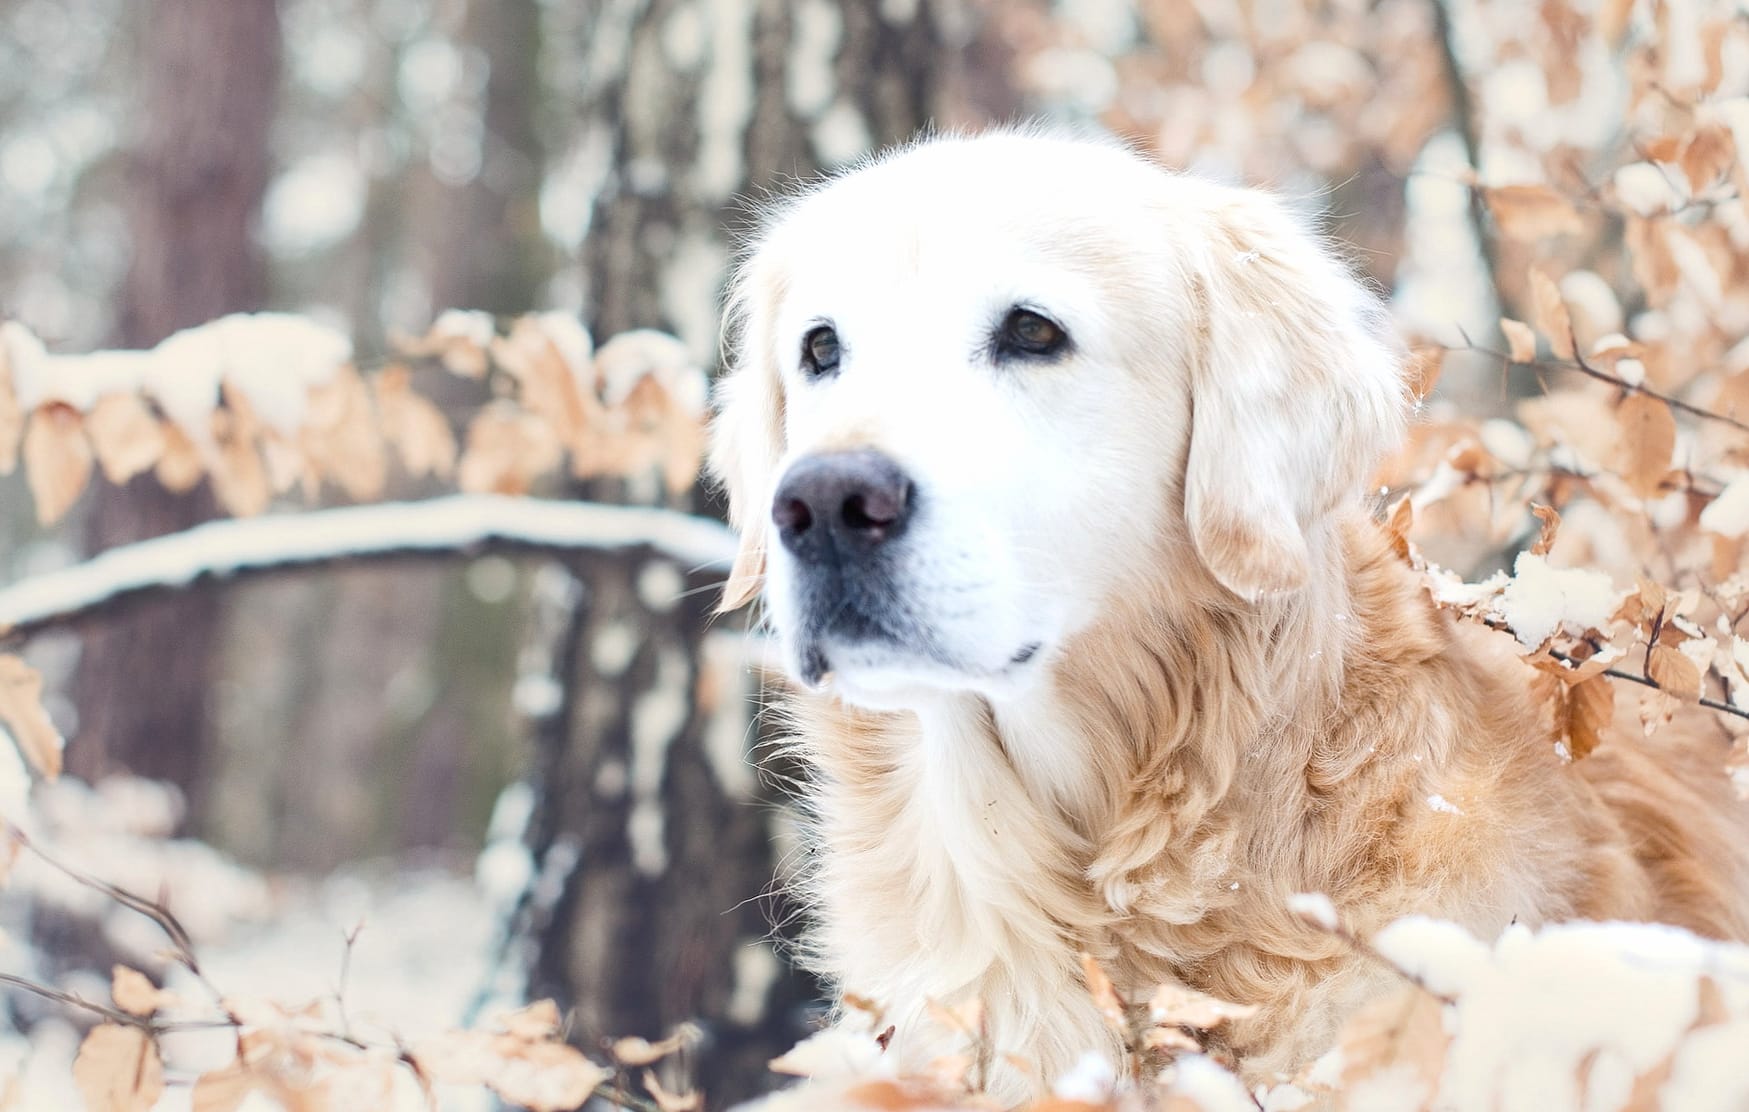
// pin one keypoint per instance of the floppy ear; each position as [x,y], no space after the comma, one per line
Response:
[1296,393]
[747,432]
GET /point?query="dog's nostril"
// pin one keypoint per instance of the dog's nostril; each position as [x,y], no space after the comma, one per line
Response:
[792,515]
[866,510]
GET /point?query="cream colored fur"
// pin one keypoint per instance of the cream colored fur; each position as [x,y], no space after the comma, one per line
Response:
[1242,694]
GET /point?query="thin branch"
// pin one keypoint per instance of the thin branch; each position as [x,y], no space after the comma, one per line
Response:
[1579,364]
[150,909]
[1648,681]
[458,525]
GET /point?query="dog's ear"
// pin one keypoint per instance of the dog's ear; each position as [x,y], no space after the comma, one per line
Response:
[1296,393]
[746,436]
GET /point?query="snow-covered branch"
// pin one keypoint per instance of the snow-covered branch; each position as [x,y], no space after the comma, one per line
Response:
[454,525]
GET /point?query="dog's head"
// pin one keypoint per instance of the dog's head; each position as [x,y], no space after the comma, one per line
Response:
[981,385]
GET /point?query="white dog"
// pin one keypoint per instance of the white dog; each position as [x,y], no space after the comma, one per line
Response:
[1049,463]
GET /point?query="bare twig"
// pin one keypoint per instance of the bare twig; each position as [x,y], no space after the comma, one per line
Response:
[1648,681]
[1580,365]
[151,909]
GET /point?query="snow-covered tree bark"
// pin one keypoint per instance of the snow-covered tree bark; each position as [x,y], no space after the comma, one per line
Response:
[198,174]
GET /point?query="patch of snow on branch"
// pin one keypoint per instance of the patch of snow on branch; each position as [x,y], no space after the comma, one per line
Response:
[1540,600]
[270,359]
[453,523]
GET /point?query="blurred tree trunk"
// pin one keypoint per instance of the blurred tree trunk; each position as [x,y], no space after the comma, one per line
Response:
[200,169]
[489,253]
[665,842]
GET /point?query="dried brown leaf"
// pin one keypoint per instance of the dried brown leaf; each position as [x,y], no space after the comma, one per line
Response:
[1674,673]
[1104,994]
[894,1096]
[341,439]
[634,1051]
[1186,1007]
[1520,340]
[540,1075]
[1590,710]
[547,384]
[126,435]
[1532,212]
[536,1021]
[1550,314]
[1170,1038]
[1708,156]
[1426,361]
[22,713]
[135,994]
[1551,525]
[1648,440]
[57,459]
[413,425]
[180,466]
[507,450]
[118,1070]
[239,475]
[223,1090]
[671,1102]
[1398,524]
[1402,1030]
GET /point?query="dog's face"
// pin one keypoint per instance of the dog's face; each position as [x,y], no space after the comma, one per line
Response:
[983,384]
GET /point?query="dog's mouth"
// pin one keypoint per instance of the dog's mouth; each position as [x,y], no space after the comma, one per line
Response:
[890,659]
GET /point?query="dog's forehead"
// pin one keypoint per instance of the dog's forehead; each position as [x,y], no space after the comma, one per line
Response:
[951,228]
[994,194]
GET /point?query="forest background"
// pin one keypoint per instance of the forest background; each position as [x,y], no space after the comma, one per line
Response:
[421,712]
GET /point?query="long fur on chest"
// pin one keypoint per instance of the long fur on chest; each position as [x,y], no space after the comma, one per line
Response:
[1191,765]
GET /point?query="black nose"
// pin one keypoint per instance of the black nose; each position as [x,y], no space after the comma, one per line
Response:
[841,503]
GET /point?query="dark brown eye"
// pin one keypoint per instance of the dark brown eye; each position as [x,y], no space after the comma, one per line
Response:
[820,352]
[1026,334]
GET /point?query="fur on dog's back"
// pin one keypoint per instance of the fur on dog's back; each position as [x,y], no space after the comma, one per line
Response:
[1264,702]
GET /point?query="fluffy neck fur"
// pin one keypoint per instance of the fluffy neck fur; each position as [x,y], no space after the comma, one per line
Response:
[1157,802]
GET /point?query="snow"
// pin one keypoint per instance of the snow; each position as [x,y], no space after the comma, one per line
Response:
[421,954]
[1646,189]
[1209,1087]
[1541,599]
[1443,805]
[1090,1080]
[473,326]
[1728,514]
[271,359]
[453,523]
[1316,907]
[1608,1002]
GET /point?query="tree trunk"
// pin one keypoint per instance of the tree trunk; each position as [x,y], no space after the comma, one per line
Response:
[661,919]
[200,168]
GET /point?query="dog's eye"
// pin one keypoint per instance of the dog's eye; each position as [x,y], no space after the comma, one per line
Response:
[1026,333]
[820,351]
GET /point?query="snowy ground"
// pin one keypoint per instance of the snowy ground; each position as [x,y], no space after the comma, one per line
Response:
[424,940]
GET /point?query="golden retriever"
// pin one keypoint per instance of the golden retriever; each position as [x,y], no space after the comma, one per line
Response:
[1049,465]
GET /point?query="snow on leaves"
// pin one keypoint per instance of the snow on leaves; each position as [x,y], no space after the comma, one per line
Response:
[266,404]
[523,1060]
[1571,1016]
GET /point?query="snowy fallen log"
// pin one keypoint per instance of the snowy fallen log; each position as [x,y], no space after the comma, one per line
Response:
[457,525]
